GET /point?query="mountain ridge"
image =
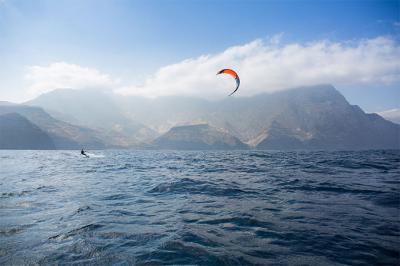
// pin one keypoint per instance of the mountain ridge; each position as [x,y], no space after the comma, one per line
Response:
[308,117]
[64,135]
[197,137]
[17,132]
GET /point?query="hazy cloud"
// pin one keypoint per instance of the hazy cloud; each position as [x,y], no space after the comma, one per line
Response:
[64,75]
[266,66]
[391,115]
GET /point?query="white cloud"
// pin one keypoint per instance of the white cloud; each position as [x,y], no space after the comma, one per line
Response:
[266,66]
[263,66]
[64,75]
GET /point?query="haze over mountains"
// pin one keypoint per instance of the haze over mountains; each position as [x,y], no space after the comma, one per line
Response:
[63,134]
[391,115]
[17,132]
[315,117]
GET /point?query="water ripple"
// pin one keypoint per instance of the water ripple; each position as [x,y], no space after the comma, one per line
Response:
[200,208]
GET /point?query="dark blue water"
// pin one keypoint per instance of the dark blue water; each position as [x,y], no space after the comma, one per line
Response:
[215,208]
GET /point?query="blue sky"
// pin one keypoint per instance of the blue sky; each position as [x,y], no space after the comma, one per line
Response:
[130,41]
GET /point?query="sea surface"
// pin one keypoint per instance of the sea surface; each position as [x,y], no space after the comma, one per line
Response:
[200,208]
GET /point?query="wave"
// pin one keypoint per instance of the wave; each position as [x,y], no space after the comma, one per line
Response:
[191,186]
[78,231]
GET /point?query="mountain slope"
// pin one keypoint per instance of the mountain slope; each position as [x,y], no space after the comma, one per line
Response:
[321,118]
[97,110]
[64,135]
[197,137]
[17,132]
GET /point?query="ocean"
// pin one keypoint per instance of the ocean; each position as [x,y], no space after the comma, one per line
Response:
[130,207]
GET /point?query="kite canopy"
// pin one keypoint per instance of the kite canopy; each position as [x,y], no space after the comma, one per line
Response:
[233,74]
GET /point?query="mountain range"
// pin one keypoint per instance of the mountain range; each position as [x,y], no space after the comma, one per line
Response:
[313,117]
[62,134]
[17,132]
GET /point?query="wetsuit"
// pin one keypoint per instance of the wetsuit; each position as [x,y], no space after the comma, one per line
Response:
[83,153]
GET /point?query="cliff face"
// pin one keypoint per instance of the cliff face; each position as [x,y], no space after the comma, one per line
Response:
[17,132]
[321,118]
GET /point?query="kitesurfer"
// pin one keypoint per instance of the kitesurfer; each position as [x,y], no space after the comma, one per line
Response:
[84,153]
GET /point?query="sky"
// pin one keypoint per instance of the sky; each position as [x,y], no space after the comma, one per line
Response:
[155,48]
